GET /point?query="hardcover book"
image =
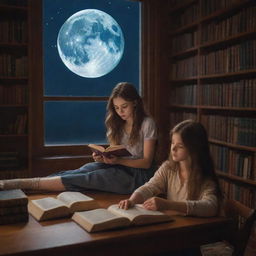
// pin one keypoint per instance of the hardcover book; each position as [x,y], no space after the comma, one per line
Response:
[114,217]
[15,218]
[20,209]
[12,197]
[64,205]
[115,150]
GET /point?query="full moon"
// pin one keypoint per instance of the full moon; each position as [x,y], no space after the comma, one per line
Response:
[90,43]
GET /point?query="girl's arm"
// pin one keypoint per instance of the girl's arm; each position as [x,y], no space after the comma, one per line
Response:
[206,206]
[160,204]
[145,162]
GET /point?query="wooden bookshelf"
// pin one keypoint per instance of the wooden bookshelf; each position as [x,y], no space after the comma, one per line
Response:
[212,80]
[14,89]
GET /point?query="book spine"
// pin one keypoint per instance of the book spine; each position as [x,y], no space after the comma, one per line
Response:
[14,218]
[13,210]
[13,202]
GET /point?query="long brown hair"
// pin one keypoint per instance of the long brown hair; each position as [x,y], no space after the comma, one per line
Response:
[114,123]
[195,139]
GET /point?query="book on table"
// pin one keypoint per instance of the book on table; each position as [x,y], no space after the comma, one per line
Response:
[115,150]
[15,218]
[13,197]
[114,217]
[13,206]
[63,205]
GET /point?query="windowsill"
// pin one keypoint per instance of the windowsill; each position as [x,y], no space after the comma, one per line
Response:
[59,157]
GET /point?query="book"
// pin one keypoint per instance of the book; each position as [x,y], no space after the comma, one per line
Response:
[63,205]
[12,197]
[116,150]
[13,210]
[114,217]
[15,218]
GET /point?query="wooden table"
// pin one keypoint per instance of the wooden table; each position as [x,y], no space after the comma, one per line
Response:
[65,237]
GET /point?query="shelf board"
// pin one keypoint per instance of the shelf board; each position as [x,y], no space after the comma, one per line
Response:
[187,79]
[236,178]
[13,8]
[227,40]
[13,45]
[13,135]
[231,145]
[13,105]
[184,28]
[189,51]
[231,74]
[226,11]
[227,108]
[13,78]
[194,107]
[182,6]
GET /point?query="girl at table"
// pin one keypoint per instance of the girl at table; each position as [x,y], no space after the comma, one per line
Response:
[128,124]
[187,178]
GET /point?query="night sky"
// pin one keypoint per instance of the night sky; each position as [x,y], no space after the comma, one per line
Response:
[58,79]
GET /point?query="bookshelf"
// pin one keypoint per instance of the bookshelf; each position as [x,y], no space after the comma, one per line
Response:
[14,89]
[212,77]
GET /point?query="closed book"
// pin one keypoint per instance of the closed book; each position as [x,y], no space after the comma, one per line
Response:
[13,197]
[20,209]
[15,218]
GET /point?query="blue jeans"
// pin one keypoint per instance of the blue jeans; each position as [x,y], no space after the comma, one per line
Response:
[105,177]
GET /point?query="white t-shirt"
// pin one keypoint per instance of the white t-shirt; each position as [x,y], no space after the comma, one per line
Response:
[148,132]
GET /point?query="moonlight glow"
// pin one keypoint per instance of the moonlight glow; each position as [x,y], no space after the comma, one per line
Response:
[90,43]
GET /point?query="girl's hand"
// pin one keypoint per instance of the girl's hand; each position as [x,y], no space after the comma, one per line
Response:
[110,160]
[97,157]
[156,204]
[126,204]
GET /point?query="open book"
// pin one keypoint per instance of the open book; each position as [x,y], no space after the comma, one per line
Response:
[64,205]
[114,217]
[116,150]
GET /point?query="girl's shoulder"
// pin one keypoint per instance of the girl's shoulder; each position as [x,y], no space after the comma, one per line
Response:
[167,168]
[148,123]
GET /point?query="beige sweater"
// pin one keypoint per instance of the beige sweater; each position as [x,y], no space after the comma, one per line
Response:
[166,181]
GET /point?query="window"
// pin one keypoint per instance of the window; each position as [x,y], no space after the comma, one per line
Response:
[88,47]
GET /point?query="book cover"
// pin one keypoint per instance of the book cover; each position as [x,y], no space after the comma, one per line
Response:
[116,150]
[63,205]
[13,197]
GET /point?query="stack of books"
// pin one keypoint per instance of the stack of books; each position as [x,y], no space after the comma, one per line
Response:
[13,206]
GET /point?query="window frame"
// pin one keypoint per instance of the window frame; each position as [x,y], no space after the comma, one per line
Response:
[38,98]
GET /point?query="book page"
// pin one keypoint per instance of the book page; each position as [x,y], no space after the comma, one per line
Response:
[139,215]
[47,208]
[77,201]
[96,147]
[114,147]
[99,219]
[48,203]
